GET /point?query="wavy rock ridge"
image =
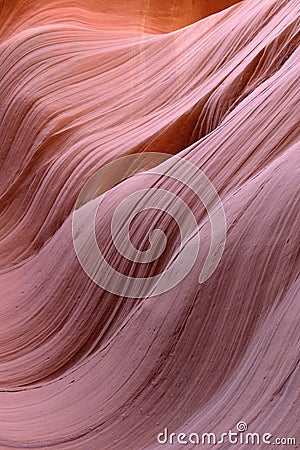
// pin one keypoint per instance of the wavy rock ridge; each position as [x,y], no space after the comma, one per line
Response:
[81,85]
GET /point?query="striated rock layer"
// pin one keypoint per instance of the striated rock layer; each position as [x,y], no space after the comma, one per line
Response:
[83,83]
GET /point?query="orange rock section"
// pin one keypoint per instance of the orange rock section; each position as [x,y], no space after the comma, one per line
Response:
[158,16]
[81,369]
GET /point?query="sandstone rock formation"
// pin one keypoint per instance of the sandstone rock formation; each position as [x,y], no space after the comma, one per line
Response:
[82,84]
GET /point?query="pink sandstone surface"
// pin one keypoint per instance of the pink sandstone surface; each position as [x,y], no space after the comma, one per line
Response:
[83,83]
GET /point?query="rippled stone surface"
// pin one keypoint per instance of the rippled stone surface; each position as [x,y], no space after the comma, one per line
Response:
[83,83]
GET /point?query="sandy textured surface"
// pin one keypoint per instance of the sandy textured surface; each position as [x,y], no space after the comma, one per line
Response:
[83,83]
